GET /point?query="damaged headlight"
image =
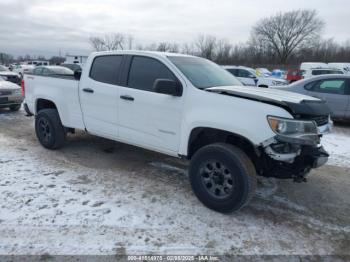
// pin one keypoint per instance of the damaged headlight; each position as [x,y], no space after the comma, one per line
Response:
[294,131]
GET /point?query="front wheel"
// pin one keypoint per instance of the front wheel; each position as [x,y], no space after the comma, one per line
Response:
[222,177]
[49,129]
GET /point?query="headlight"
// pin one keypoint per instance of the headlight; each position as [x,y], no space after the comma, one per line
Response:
[297,131]
[17,92]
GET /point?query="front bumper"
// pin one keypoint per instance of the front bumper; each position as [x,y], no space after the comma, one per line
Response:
[286,160]
[6,101]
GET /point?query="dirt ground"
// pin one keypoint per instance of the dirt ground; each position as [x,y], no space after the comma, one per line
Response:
[97,196]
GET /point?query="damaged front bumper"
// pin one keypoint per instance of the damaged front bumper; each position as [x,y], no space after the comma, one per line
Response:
[292,158]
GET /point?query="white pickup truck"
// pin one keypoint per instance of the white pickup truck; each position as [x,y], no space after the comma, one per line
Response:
[186,107]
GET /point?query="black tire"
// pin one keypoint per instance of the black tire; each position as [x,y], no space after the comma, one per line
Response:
[15,108]
[49,129]
[234,164]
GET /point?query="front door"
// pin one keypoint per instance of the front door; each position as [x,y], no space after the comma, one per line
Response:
[146,118]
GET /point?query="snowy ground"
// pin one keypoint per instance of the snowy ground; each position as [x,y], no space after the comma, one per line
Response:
[99,197]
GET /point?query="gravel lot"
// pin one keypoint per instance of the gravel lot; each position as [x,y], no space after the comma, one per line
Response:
[96,196]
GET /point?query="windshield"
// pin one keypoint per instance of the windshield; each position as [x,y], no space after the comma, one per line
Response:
[3,68]
[203,73]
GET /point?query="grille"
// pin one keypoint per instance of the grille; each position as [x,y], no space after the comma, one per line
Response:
[5,93]
[320,120]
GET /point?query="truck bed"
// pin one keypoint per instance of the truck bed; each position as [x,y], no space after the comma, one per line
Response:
[64,90]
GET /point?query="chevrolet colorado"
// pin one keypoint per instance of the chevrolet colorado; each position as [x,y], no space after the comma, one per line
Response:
[187,107]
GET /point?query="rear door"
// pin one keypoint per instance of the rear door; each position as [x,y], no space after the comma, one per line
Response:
[99,96]
[146,118]
[334,92]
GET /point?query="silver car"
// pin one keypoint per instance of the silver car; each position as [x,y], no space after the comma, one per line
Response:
[334,89]
[10,95]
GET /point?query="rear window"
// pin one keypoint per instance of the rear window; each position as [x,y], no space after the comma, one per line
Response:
[326,72]
[106,69]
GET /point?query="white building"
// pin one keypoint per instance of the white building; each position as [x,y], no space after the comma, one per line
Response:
[75,59]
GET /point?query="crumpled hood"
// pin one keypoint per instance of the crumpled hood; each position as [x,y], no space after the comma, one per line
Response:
[296,104]
[263,93]
[6,85]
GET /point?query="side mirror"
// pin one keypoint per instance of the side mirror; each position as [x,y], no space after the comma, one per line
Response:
[77,75]
[167,87]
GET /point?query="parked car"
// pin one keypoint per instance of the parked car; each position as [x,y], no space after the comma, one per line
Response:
[10,95]
[52,71]
[248,77]
[294,75]
[23,69]
[263,72]
[312,65]
[73,67]
[6,74]
[186,107]
[320,71]
[334,89]
[341,66]
[38,63]
[278,73]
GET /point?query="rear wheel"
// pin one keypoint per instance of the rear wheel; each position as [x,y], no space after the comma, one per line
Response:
[222,177]
[15,107]
[49,129]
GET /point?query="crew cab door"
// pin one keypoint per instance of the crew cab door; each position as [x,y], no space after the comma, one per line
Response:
[147,118]
[98,92]
[334,92]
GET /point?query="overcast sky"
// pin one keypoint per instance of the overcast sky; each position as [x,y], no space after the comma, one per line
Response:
[45,27]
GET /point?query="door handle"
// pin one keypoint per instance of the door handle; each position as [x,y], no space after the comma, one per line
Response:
[125,97]
[88,90]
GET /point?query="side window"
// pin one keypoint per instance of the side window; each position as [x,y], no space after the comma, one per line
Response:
[244,73]
[106,69]
[331,86]
[46,72]
[233,71]
[144,71]
[37,71]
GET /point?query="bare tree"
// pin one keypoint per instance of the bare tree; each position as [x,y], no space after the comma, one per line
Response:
[108,42]
[223,51]
[286,32]
[188,48]
[206,46]
[168,47]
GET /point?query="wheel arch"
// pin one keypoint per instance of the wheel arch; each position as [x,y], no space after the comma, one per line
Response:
[202,136]
[43,103]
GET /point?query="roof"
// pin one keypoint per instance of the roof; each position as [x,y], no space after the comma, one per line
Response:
[236,67]
[140,52]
